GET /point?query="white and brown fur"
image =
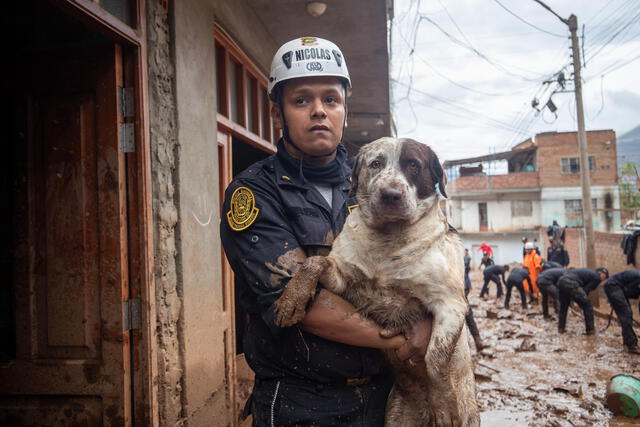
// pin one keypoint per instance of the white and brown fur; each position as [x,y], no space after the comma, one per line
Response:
[396,261]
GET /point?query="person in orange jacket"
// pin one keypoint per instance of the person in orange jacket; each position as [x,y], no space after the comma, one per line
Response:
[533,263]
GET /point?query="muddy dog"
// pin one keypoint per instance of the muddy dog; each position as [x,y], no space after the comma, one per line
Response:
[396,260]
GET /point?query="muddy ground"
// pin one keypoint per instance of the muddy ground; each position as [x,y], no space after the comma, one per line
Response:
[530,375]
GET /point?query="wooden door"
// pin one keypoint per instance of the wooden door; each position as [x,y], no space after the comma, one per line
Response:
[72,361]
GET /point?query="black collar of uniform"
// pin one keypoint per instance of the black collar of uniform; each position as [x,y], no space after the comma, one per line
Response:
[287,169]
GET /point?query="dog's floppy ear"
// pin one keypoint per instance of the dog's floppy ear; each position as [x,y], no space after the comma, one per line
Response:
[438,176]
[355,171]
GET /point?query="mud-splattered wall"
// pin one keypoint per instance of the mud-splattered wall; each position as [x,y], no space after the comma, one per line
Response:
[164,141]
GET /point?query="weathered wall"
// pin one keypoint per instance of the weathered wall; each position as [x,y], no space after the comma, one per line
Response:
[163,132]
[465,214]
[553,206]
[204,319]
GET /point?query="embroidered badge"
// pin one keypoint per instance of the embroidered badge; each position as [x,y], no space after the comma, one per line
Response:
[243,210]
[351,208]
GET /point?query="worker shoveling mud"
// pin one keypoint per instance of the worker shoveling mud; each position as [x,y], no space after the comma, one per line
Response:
[529,374]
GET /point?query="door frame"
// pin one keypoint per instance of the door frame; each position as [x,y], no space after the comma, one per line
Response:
[139,194]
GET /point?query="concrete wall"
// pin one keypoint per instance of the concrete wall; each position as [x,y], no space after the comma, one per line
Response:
[191,380]
[198,208]
[553,206]
[465,214]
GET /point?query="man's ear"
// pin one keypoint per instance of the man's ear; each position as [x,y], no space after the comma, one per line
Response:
[276,115]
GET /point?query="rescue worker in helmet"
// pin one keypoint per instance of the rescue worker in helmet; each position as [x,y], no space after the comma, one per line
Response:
[328,369]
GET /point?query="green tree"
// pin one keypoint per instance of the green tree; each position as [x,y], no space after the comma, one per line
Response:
[629,194]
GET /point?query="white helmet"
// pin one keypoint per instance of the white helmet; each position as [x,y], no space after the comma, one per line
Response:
[529,245]
[307,57]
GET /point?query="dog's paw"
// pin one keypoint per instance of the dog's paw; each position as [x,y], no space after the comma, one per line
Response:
[443,411]
[289,311]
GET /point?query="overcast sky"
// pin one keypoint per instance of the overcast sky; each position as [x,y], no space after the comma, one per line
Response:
[464,72]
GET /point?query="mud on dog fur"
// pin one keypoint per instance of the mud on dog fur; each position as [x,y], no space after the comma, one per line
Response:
[396,260]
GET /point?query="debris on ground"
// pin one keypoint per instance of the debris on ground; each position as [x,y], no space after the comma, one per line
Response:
[530,375]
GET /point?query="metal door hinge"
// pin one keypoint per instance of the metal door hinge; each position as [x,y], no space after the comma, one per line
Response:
[127,137]
[127,106]
[132,314]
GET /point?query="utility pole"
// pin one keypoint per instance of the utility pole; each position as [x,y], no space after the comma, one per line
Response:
[585,181]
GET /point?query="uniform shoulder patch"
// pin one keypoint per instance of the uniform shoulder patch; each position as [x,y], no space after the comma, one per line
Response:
[243,211]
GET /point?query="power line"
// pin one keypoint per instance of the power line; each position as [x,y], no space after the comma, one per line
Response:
[529,23]
[474,50]
[624,27]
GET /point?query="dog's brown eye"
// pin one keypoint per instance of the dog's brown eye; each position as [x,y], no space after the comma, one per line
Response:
[413,164]
[375,164]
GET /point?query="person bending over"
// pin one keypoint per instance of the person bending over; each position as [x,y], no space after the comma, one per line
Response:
[620,288]
[493,273]
[575,285]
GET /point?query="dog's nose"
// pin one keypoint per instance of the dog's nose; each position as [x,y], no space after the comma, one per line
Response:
[391,195]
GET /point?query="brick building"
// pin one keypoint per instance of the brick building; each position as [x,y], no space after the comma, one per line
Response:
[502,197]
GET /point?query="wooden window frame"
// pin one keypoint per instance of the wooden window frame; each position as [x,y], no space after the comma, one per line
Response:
[258,136]
[521,208]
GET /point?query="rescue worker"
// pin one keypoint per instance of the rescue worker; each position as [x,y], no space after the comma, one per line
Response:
[328,369]
[557,253]
[486,261]
[547,283]
[550,264]
[517,278]
[493,273]
[486,249]
[620,288]
[533,263]
[574,285]
[471,322]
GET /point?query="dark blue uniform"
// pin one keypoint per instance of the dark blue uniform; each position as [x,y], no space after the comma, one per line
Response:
[548,284]
[558,254]
[620,288]
[272,220]
[493,273]
[467,269]
[516,278]
[550,264]
[575,285]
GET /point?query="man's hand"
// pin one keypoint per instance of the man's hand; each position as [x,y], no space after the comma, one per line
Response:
[417,340]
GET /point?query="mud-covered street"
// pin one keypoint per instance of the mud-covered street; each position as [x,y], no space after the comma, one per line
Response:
[529,374]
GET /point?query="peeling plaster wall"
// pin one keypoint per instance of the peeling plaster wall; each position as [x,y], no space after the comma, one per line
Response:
[164,144]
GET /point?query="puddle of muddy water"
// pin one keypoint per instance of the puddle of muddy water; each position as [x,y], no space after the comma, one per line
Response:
[503,418]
